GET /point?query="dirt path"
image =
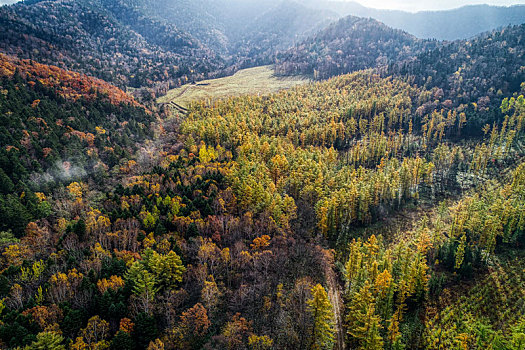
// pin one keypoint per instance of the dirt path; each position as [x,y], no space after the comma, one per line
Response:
[183,90]
[334,294]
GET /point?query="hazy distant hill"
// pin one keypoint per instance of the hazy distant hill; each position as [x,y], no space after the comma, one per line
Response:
[165,43]
[277,29]
[236,27]
[138,43]
[351,44]
[461,23]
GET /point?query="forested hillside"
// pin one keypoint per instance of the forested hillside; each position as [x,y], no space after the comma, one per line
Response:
[477,72]
[86,37]
[472,75]
[58,126]
[161,45]
[350,44]
[379,209]
[217,235]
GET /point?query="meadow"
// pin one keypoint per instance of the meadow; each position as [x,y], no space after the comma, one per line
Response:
[257,80]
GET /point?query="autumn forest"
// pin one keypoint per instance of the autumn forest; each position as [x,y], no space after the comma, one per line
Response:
[377,204]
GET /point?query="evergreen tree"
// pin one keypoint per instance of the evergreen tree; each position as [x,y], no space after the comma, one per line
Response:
[144,331]
[122,341]
[168,269]
[322,333]
[362,323]
[48,341]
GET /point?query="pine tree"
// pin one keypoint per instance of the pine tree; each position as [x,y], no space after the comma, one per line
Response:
[322,334]
[168,269]
[144,285]
[48,341]
[362,322]
[122,341]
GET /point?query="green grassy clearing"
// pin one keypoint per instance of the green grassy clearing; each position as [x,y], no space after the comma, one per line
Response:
[258,80]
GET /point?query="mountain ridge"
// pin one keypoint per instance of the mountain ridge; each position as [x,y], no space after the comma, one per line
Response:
[154,45]
[350,44]
[441,25]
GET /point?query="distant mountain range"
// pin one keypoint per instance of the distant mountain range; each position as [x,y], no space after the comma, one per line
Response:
[165,43]
[460,23]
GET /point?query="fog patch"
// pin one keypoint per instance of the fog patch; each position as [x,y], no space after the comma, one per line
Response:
[60,171]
